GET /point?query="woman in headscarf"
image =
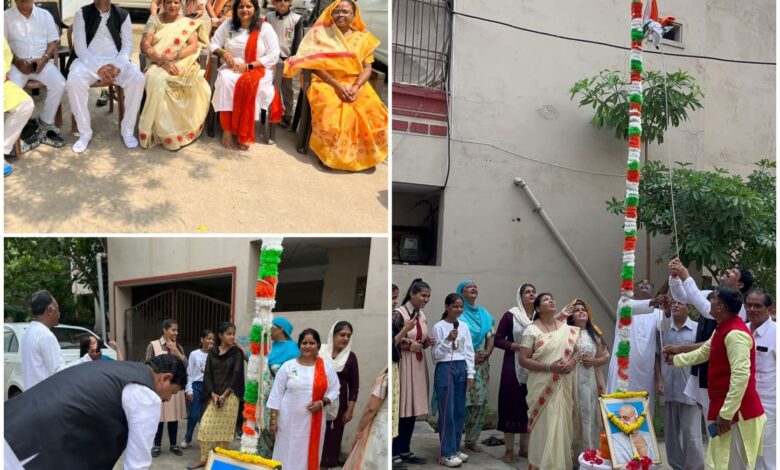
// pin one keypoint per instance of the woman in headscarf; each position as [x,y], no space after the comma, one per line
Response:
[338,352]
[512,407]
[283,348]
[593,354]
[480,323]
[349,121]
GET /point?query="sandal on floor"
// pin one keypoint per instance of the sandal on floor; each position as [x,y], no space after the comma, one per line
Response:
[156,451]
[493,441]
[176,451]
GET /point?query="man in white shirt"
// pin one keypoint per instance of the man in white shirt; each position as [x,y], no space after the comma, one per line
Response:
[103,40]
[87,416]
[648,317]
[34,40]
[682,418]
[40,352]
[764,335]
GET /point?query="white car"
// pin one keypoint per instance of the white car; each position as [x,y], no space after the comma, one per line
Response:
[69,338]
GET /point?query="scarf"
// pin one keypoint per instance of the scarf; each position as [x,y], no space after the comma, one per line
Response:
[478,319]
[326,352]
[284,350]
[318,389]
[325,48]
[520,323]
[245,95]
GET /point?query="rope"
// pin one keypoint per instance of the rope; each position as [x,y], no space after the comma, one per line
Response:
[669,154]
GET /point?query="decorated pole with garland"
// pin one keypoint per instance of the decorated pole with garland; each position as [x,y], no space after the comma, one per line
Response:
[632,197]
[260,341]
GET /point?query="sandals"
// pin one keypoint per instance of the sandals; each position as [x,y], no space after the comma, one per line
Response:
[193,466]
[492,441]
[156,451]
[176,450]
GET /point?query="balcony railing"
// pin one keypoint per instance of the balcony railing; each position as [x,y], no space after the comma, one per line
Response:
[421,42]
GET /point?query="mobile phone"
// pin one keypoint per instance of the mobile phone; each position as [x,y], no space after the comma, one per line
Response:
[712,429]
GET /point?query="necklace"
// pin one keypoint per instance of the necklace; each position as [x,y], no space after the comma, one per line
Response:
[548,328]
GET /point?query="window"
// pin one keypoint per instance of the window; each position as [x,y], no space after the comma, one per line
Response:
[416,224]
[11,345]
[674,37]
[69,338]
[421,42]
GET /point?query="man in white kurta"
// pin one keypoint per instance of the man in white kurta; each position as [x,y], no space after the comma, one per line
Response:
[34,40]
[765,336]
[647,319]
[40,352]
[101,59]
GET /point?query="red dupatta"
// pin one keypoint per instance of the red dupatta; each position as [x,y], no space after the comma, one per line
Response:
[243,119]
[318,389]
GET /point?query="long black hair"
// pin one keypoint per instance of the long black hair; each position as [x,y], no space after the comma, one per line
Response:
[449,300]
[235,22]
[538,302]
[416,286]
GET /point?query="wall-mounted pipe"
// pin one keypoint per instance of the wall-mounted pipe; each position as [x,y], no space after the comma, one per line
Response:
[609,307]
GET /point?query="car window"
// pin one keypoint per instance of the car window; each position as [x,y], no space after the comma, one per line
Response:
[69,338]
[10,345]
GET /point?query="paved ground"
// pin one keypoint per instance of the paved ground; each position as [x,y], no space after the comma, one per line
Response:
[426,445]
[200,188]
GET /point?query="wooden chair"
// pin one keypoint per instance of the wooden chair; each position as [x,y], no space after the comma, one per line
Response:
[301,124]
[115,92]
[268,129]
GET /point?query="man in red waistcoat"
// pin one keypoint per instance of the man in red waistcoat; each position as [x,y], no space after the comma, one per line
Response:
[735,405]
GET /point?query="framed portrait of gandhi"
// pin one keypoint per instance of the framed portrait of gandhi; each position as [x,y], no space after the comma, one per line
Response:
[629,430]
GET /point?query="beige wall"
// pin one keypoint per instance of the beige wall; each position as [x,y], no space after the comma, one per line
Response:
[345,266]
[512,117]
[133,258]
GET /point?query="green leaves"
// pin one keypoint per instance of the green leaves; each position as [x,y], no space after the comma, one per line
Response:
[722,219]
[608,95]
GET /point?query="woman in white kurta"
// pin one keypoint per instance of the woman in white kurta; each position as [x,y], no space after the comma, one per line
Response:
[229,43]
[293,407]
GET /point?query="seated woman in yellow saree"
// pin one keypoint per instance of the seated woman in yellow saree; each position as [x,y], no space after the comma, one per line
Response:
[177,95]
[349,121]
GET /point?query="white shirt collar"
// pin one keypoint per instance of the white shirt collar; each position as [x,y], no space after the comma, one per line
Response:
[762,330]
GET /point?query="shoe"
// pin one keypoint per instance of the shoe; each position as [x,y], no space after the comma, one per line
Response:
[52,138]
[79,147]
[286,122]
[184,444]
[453,461]
[413,459]
[463,457]
[7,169]
[177,451]
[130,141]
[156,451]
[103,99]
[399,464]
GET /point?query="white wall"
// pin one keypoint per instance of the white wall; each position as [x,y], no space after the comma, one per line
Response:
[512,117]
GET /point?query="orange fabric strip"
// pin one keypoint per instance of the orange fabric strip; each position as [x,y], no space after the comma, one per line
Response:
[318,390]
[248,83]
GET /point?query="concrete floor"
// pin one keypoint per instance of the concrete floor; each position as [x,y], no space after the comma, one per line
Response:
[202,188]
[426,444]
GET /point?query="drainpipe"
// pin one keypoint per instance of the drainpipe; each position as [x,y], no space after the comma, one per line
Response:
[608,306]
[102,322]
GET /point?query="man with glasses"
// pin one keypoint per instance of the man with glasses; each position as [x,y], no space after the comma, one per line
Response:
[40,351]
[764,331]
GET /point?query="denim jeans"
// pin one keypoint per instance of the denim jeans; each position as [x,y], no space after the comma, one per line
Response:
[194,409]
[450,383]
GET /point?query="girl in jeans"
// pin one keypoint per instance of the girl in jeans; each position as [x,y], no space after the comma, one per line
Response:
[194,390]
[453,355]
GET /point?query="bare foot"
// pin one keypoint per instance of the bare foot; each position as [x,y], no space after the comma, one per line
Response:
[227,140]
[473,447]
[523,453]
[243,147]
[507,458]
[199,464]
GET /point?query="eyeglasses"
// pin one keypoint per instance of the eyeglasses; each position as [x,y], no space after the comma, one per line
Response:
[341,12]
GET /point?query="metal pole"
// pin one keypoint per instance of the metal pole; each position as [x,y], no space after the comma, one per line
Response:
[102,322]
[608,307]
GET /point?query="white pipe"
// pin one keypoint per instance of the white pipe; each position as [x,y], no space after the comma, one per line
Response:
[102,321]
[608,306]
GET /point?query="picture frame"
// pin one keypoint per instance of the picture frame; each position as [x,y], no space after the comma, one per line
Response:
[621,446]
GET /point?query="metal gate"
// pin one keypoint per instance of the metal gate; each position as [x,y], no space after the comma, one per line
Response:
[193,311]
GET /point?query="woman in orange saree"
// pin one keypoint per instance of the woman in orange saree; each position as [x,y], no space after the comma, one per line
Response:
[349,121]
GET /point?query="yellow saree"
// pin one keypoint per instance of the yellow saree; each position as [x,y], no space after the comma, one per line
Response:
[550,398]
[345,135]
[176,105]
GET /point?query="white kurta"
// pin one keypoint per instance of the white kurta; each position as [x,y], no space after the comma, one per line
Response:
[645,322]
[234,42]
[290,394]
